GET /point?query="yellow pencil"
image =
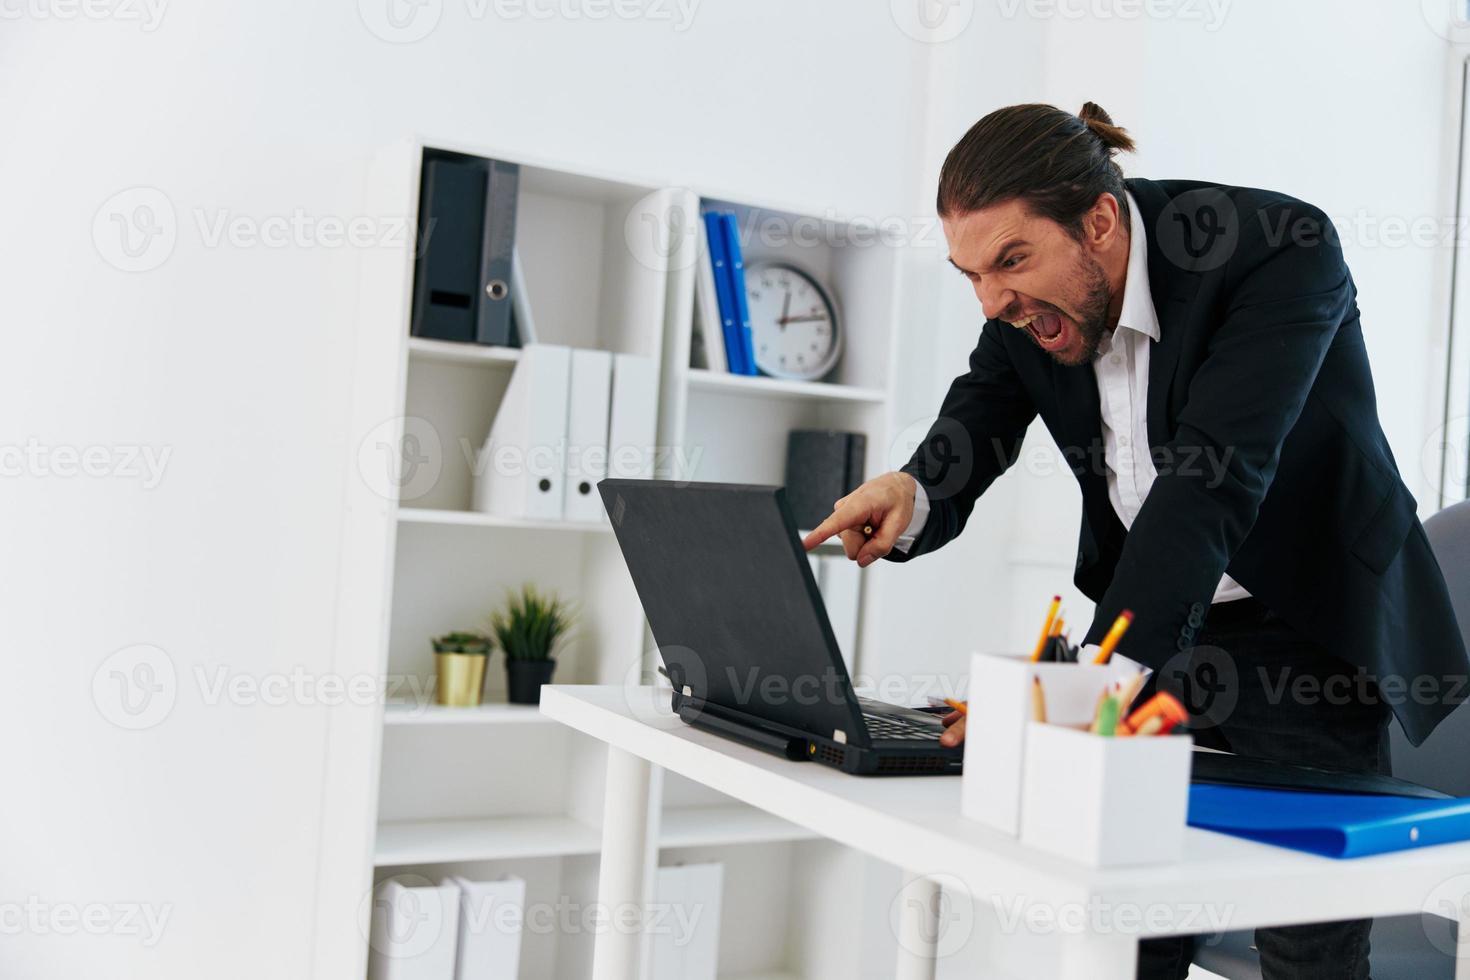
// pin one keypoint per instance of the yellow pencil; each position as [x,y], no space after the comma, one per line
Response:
[957,705]
[1038,700]
[1110,642]
[1051,615]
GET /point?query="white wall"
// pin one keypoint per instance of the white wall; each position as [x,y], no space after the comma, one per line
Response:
[230,358]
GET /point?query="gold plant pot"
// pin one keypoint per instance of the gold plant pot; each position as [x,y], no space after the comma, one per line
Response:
[461,679]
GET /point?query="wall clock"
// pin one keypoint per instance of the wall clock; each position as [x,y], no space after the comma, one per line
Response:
[794,329]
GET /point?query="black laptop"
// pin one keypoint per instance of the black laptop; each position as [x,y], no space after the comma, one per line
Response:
[744,636]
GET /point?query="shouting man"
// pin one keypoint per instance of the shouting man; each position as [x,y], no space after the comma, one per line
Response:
[1195,351]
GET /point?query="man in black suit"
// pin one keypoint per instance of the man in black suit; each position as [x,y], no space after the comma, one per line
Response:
[1195,351]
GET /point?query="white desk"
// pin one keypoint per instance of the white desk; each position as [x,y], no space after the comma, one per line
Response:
[1085,921]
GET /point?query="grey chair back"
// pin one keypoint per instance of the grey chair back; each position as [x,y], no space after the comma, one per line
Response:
[1443,761]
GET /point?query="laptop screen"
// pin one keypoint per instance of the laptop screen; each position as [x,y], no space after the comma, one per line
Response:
[731,599]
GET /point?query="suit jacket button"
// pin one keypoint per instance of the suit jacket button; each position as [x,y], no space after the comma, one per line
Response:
[1183,644]
[1196,620]
[1197,609]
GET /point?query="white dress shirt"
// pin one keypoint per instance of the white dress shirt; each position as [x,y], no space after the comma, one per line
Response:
[1122,388]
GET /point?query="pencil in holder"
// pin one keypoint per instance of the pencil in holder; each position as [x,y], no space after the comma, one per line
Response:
[1002,698]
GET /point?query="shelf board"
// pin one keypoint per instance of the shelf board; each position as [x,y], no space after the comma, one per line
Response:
[487,839]
[701,379]
[705,826]
[421,713]
[473,518]
[452,352]
[496,838]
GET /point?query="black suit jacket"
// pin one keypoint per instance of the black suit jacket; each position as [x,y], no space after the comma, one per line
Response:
[1264,428]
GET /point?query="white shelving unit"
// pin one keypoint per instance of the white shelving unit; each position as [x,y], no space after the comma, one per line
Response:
[499,789]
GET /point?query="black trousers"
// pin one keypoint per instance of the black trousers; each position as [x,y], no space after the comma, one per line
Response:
[1256,687]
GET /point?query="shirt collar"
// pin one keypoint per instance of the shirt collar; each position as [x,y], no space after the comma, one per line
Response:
[1137,312]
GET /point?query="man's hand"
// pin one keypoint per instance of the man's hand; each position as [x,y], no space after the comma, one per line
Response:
[954,724]
[885,504]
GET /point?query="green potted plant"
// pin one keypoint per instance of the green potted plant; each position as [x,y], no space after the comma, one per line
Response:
[527,629]
[459,661]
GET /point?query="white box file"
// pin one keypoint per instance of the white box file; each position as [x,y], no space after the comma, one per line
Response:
[491,914]
[414,931]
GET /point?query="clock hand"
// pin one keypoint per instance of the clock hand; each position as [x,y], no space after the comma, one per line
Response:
[785,308]
[806,319]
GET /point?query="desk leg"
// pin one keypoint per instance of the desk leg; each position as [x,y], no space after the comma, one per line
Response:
[918,928]
[1098,956]
[622,881]
[1462,942]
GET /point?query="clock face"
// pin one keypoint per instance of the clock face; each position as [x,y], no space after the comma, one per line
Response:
[793,324]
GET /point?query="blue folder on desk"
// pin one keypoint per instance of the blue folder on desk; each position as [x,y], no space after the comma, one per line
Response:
[1333,824]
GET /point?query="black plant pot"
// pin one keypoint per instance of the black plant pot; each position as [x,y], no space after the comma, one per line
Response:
[525,677]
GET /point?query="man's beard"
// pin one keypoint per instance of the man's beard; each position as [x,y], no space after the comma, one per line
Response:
[1092,312]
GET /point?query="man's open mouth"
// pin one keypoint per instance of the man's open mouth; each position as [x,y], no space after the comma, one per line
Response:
[1046,327]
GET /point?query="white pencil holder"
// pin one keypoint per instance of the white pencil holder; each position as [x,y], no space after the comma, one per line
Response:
[1105,801]
[996,725]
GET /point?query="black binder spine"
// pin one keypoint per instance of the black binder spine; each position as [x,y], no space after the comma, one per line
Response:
[492,325]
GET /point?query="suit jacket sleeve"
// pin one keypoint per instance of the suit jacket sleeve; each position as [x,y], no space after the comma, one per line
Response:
[1279,319]
[976,437]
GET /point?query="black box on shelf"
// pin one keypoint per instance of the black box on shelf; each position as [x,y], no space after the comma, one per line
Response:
[466,235]
[821,466]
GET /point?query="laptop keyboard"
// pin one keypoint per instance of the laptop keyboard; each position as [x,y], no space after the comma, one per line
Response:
[886,726]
